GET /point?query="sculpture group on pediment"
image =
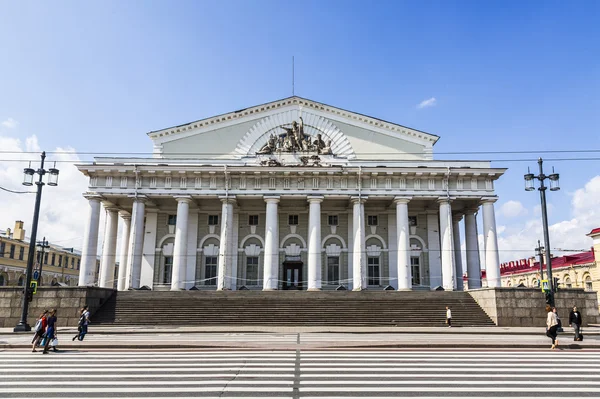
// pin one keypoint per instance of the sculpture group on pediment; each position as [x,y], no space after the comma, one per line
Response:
[295,140]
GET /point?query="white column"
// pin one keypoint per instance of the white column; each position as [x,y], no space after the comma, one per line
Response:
[122,283]
[136,242]
[271,268]
[90,242]
[447,249]
[458,269]
[314,244]
[492,258]
[472,246]
[180,247]
[149,248]
[403,247]
[359,273]
[225,246]
[109,247]
[192,250]
[433,243]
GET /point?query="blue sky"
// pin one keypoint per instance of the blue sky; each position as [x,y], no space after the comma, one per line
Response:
[506,75]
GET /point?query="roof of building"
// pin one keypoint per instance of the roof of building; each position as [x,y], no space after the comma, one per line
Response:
[526,266]
[594,232]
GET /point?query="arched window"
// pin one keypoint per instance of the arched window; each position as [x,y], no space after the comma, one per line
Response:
[588,283]
[21,281]
[2,280]
[568,282]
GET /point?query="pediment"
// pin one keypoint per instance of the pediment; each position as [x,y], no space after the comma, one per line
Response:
[244,133]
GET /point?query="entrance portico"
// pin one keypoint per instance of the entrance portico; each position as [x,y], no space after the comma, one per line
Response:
[295,206]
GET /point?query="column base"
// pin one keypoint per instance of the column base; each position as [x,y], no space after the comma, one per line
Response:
[359,289]
[270,289]
[313,289]
[404,289]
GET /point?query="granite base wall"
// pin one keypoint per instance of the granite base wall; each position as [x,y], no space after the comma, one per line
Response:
[66,300]
[525,307]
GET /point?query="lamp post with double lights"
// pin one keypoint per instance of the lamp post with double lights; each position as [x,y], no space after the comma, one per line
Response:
[41,247]
[554,186]
[28,181]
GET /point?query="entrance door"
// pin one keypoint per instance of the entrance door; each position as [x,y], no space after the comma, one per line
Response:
[292,275]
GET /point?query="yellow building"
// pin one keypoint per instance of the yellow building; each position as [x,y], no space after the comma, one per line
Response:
[581,270]
[58,264]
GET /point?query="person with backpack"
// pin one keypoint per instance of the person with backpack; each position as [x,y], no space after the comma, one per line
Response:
[40,329]
[50,334]
[82,325]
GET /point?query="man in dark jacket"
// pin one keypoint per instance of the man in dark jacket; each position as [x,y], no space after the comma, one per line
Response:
[575,322]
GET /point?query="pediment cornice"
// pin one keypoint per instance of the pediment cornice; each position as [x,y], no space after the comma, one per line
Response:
[261,111]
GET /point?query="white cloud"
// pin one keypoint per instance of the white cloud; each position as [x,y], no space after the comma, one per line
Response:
[427,103]
[10,123]
[513,209]
[518,241]
[63,211]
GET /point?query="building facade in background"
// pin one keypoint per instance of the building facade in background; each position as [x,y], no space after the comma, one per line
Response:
[293,194]
[579,270]
[58,265]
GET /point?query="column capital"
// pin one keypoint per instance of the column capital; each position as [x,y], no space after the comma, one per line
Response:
[230,199]
[125,215]
[183,198]
[315,198]
[445,200]
[488,200]
[138,198]
[360,199]
[271,199]
[471,210]
[93,197]
[457,217]
[402,200]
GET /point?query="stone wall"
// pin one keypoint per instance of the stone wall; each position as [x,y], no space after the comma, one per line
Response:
[525,307]
[66,300]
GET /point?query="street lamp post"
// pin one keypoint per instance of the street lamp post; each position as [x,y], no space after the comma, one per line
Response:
[28,181]
[539,251]
[41,245]
[554,186]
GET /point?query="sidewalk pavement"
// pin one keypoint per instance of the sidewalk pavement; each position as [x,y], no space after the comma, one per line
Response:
[280,338]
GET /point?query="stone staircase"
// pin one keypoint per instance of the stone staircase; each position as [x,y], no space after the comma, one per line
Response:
[290,308]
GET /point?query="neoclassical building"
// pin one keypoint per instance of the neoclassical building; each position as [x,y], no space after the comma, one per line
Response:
[293,194]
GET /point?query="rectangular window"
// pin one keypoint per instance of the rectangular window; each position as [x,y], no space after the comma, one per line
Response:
[78,263]
[333,270]
[333,220]
[293,220]
[53,260]
[12,251]
[72,263]
[166,278]
[66,261]
[252,270]
[21,253]
[415,269]
[38,257]
[372,220]
[213,220]
[172,220]
[59,260]
[253,220]
[2,249]
[46,258]
[373,270]
[210,270]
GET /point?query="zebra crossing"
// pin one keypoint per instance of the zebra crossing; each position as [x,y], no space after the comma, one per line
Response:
[300,374]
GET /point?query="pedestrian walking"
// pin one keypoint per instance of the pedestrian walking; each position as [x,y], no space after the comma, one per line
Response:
[51,339]
[448,316]
[552,326]
[576,322]
[82,325]
[40,329]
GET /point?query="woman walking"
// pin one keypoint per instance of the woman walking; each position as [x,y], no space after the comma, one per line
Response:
[551,326]
[40,329]
[82,326]
[51,332]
